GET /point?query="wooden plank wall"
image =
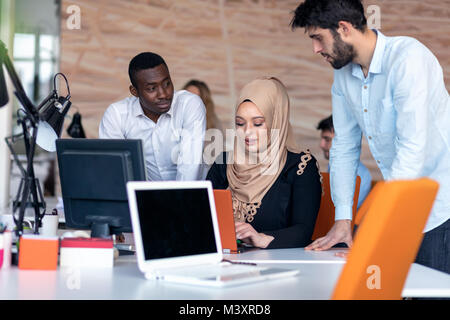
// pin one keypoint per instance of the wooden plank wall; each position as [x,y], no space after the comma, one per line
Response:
[225,43]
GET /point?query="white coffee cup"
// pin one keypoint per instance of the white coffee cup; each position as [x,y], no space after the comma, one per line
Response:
[49,225]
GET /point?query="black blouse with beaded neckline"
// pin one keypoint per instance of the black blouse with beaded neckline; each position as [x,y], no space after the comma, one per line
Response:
[289,209]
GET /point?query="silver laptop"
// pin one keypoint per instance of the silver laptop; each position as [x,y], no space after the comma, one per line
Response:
[177,236]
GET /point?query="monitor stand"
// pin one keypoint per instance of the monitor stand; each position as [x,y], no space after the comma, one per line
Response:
[101,226]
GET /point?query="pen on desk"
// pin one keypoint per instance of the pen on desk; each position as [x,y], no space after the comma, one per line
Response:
[239,262]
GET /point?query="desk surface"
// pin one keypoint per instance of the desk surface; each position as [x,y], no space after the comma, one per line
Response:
[422,282]
[125,281]
[287,256]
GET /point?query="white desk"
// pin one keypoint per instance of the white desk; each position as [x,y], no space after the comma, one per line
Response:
[125,281]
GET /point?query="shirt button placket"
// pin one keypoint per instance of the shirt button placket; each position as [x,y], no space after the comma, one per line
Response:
[365,106]
[366,115]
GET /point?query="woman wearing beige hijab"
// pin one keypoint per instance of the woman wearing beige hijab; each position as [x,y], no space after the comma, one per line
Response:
[275,186]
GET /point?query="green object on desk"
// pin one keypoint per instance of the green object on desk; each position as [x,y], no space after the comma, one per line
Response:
[238,241]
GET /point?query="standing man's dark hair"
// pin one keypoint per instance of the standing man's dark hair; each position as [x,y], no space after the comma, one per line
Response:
[326,14]
[144,60]
[337,27]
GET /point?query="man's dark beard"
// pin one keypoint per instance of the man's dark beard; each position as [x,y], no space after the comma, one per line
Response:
[343,53]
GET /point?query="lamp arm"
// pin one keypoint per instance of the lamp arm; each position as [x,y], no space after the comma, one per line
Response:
[9,142]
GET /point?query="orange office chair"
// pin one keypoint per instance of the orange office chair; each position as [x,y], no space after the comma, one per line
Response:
[325,217]
[367,203]
[387,241]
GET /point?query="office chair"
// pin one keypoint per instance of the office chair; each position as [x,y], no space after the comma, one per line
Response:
[367,203]
[387,241]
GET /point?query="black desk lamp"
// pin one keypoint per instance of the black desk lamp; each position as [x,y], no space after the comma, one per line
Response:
[40,125]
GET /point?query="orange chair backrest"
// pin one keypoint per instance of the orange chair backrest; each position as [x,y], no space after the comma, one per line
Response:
[325,216]
[367,202]
[387,241]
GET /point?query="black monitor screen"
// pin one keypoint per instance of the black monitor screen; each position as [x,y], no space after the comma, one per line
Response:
[94,174]
[175,223]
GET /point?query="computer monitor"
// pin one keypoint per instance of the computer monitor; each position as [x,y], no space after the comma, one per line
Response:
[93,174]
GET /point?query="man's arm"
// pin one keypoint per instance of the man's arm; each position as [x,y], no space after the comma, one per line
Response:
[344,160]
[190,158]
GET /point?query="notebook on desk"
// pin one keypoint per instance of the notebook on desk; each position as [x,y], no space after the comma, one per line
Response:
[177,236]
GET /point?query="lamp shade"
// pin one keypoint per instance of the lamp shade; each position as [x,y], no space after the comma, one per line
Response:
[51,123]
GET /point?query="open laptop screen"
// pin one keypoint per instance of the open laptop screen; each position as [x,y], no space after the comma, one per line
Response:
[175,222]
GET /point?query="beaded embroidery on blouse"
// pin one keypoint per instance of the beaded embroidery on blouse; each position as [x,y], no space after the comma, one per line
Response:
[245,212]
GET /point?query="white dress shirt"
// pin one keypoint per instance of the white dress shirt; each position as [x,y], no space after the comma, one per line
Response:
[403,108]
[173,145]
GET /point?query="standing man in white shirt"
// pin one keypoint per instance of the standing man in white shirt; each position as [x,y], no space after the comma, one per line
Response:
[392,90]
[170,124]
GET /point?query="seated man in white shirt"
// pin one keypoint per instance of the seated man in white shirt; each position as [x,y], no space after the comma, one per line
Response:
[170,124]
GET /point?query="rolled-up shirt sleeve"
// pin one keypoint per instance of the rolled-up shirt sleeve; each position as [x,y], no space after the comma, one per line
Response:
[344,156]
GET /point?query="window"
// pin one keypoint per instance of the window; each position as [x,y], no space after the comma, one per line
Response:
[35,60]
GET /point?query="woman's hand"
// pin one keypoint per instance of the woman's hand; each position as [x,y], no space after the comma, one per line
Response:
[246,233]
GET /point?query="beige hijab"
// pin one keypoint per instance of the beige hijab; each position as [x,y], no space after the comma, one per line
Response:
[250,180]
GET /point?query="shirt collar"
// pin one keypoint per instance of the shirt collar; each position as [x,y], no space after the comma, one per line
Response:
[170,112]
[377,59]
[137,109]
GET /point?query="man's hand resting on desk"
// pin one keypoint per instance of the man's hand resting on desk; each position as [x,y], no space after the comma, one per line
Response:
[246,233]
[340,232]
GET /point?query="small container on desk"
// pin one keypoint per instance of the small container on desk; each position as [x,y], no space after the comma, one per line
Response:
[38,252]
[5,248]
[87,252]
